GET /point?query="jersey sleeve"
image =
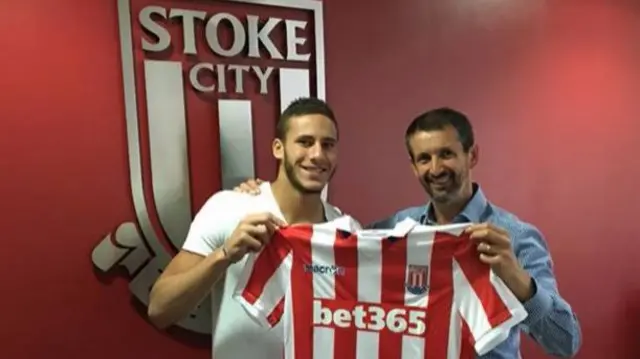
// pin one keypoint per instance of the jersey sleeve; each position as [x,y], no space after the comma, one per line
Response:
[487,306]
[264,281]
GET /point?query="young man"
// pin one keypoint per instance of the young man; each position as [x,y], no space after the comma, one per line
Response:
[443,152]
[231,224]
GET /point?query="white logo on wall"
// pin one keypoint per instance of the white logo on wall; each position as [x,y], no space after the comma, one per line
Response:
[137,245]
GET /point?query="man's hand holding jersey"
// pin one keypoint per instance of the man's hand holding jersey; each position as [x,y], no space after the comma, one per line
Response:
[494,248]
[251,234]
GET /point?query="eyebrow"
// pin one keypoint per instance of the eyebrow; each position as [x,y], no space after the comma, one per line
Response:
[326,138]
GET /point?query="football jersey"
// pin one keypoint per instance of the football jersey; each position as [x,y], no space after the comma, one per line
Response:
[410,292]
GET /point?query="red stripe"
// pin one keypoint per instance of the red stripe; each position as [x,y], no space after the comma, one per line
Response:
[274,317]
[440,296]
[478,274]
[394,265]
[346,289]
[467,350]
[266,264]
[302,294]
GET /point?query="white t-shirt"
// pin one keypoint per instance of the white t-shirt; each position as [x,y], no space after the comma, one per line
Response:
[235,335]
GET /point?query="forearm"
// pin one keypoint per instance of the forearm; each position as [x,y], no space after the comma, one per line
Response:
[552,323]
[173,297]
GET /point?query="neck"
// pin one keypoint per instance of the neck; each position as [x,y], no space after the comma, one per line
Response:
[445,213]
[295,206]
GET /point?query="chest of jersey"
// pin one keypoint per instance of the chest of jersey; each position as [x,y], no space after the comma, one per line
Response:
[372,295]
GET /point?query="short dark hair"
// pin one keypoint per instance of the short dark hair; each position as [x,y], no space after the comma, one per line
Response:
[300,107]
[438,119]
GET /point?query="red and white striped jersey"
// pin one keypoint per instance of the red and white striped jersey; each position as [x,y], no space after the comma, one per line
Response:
[411,292]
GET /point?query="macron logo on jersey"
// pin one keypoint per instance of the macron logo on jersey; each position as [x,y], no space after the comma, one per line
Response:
[324,269]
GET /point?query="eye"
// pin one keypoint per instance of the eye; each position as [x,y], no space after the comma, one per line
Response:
[423,159]
[328,145]
[305,142]
[447,154]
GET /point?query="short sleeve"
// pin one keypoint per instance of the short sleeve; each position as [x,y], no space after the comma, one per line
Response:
[487,306]
[213,223]
[264,281]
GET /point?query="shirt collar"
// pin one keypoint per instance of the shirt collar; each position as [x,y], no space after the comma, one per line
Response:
[471,212]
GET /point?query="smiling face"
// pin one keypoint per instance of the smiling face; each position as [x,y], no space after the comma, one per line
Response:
[308,152]
[442,165]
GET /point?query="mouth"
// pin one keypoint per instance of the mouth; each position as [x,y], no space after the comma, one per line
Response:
[314,170]
[440,181]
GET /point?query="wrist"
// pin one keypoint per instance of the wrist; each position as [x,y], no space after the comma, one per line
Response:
[221,255]
[522,286]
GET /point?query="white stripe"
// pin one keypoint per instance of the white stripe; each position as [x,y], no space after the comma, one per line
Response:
[419,249]
[369,289]
[322,254]
[275,288]
[455,329]
[323,343]
[168,145]
[236,141]
[287,326]
[294,83]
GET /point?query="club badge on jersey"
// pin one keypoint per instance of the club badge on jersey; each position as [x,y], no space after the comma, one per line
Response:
[417,279]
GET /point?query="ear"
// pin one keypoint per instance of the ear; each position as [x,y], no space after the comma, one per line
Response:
[277,147]
[414,168]
[474,155]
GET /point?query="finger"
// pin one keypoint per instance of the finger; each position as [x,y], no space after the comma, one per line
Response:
[278,222]
[270,221]
[489,236]
[497,229]
[257,218]
[490,260]
[479,234]
[256,230]
[259,181]
[269,218]
[254,185]
[485,248]
[253,243]
[243,188]
[475,227]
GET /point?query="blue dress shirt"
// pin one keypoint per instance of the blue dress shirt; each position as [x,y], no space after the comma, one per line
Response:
[551,321]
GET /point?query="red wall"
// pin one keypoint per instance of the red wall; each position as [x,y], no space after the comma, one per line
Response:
[550,87]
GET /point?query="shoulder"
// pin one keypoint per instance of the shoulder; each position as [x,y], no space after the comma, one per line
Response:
[218,218]
[522,233]
[224,209]
[511,222]
[228,203]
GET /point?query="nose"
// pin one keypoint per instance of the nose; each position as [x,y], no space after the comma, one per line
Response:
[316,151]
[435,166]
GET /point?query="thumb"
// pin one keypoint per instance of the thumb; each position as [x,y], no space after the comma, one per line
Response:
[276,221]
